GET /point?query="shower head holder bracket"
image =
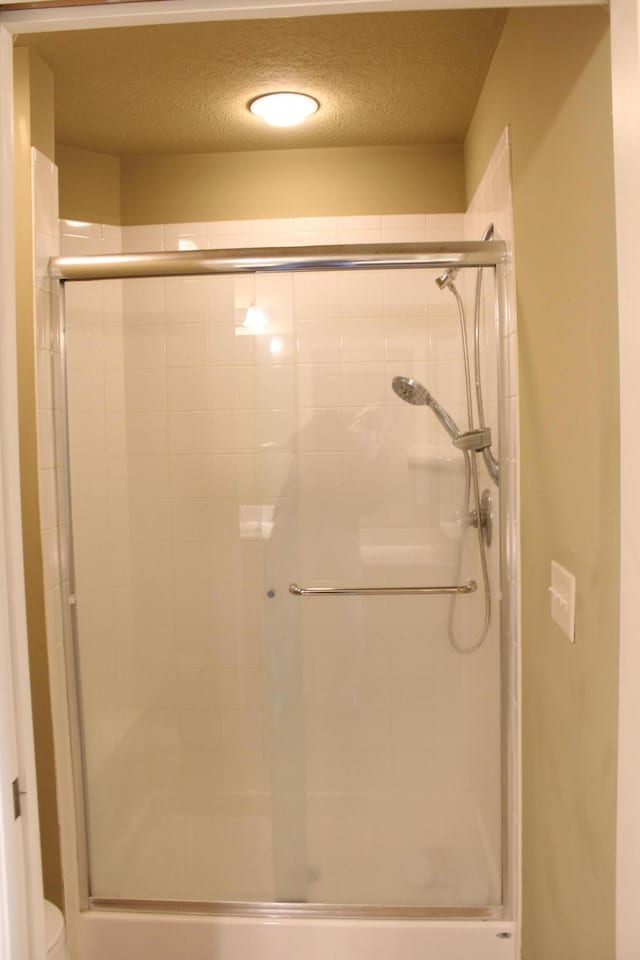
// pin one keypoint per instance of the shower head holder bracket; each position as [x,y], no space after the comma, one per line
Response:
[474,440]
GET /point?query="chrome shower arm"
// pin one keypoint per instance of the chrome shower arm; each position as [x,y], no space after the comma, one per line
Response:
[445,419]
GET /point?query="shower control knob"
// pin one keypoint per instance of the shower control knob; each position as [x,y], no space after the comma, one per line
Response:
[486,517]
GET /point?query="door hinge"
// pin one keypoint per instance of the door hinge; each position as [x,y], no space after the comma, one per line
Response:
[17,806]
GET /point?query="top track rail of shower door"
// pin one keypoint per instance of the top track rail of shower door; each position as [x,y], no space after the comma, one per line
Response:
[371,256]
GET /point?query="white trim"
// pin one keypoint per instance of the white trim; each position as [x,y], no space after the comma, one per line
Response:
[13,923]
[109,935]
[184,11]
[625,43]
[26,913]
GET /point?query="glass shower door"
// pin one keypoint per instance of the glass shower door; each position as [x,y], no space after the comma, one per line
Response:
[230,437]
[397,733]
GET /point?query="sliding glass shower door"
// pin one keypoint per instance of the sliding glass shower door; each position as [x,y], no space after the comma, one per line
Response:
[230,437]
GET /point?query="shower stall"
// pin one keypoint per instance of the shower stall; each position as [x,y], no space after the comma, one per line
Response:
[287,588]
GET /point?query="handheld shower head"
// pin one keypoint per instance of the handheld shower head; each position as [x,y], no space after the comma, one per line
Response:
[411,391]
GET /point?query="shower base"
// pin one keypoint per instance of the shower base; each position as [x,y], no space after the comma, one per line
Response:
[132,936]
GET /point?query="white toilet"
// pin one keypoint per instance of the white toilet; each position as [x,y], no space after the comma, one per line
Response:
[54,933]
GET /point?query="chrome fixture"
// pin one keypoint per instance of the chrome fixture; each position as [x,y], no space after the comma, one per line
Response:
[490,461]
[446,279]
[193,263]
[475,440]
[486,517]
[411,391]
[469,587]
[472,441]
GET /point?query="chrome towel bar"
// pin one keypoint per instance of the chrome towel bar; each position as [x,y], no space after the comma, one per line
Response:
[469,587]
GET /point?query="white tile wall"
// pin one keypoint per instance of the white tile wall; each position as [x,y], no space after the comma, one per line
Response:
[211,463]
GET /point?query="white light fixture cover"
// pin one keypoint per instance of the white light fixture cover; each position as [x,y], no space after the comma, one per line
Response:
[284,109]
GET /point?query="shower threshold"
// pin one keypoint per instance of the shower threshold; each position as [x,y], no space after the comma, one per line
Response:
[132,934]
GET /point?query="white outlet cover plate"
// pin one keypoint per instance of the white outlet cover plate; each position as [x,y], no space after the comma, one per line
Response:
[562,593]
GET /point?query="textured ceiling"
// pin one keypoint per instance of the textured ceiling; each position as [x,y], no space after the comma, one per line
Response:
[388,78]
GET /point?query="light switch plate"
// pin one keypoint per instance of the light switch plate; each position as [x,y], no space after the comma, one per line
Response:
[563,599]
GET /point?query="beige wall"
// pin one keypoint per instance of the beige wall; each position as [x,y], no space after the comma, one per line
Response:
[40,80]
[293,183]
[33,85]
[550,80]
[89,185]
[263,184]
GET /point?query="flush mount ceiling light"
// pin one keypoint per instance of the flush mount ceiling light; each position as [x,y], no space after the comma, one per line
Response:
[284,109]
